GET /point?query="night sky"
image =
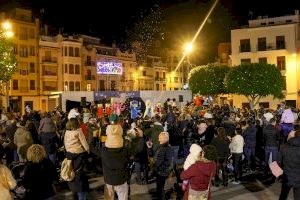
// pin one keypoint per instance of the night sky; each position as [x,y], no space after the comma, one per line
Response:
[112,19]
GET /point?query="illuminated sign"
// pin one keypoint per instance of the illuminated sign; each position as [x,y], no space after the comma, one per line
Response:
[104,67]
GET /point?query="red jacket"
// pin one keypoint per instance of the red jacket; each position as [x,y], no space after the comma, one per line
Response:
[198,176]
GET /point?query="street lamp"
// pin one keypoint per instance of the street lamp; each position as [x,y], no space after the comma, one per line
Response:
[188,48]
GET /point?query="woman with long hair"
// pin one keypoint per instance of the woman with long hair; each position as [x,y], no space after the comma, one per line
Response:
[76,150]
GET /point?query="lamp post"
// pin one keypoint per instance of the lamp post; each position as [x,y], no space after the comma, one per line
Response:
[7,33]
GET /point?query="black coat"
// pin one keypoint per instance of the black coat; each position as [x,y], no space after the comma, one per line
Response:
[289,159]
[38,180]
[139,150]
[209,134]
[163,160]
[115,165]
[50,142]
[221,146]
[80,182]
[271,136]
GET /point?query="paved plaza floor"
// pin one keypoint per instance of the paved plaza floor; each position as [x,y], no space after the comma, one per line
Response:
[253,187]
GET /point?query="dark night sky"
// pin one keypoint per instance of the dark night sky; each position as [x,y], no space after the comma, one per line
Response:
[109,19]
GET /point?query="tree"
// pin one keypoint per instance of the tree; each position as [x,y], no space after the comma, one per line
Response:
[208,79]
[254,80]
[8,62]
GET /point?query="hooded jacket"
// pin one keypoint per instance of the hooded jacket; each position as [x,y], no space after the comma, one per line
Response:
[192,158]
[75,142]
[114,137]
[289,160]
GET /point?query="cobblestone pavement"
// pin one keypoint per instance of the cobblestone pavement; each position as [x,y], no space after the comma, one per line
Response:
[254,187]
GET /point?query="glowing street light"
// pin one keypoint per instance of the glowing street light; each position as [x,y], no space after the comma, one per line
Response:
[6,26]
[188,47]
[9,34]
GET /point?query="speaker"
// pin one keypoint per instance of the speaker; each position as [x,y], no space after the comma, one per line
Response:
[180,98]
[83,101]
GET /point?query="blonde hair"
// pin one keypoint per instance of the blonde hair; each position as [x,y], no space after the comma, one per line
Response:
[36,153]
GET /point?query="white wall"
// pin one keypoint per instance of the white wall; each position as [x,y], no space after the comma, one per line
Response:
[162,96]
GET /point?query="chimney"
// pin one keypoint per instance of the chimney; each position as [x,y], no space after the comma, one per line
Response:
[296,12]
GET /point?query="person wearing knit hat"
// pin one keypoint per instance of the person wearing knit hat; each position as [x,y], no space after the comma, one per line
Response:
[114,133]
[115,159]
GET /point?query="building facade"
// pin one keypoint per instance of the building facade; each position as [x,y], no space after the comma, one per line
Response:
[24,85]
[50,65]
[274,41]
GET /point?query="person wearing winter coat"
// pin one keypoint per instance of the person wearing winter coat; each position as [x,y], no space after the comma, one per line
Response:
[271,138]
[236,148]
[221,143]
[22,140]
[48,137]
[77,149]
[139,151]
[289,161]
[201,173]
[47,124]
[39,174]
[10,130]
[7,181]
[115,159]
[153,132]
[162,164]
[287,122]
[249,136]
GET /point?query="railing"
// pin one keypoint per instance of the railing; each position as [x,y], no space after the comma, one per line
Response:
[89,77]
[49,88]
[49,73]
[49,59]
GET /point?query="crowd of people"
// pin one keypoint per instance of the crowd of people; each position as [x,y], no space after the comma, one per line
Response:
[200,146]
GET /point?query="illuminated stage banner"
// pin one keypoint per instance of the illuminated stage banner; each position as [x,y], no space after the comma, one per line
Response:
[104,67]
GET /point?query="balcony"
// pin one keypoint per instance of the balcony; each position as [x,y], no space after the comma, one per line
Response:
[49,73]
[49,88]
[160,79]
[89,77]
[46,59]
[89,63]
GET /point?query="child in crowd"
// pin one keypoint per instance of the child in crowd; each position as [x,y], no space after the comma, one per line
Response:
[191,159]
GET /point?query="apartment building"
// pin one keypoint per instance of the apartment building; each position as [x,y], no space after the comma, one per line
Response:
[24,85]
[51,72]
[270,40]
[89,72]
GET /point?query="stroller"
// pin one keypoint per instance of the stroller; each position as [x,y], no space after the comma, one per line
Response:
[18,170]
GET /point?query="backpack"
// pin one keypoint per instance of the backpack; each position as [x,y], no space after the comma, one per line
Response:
[66,171]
